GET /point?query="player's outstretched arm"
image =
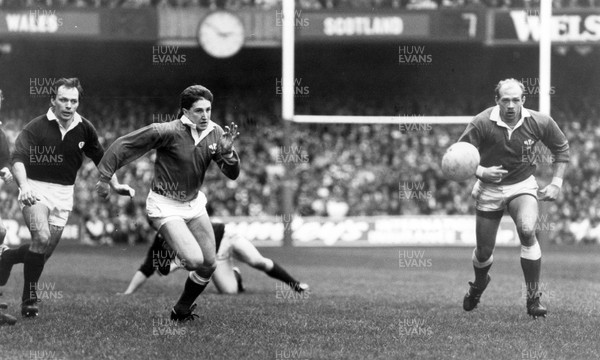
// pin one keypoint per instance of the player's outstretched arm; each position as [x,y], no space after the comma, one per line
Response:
[6,175]
[26,195]
[558,144]
[137,281]
[103,188]
[226,156]
[492,174]
[551,191]
[20,156]
[123,151]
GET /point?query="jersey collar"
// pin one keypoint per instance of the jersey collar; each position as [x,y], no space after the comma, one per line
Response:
[52,117]
[495,116]
[198,137]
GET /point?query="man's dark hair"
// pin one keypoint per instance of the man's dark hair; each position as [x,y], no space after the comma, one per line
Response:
[192,94]
[68,83]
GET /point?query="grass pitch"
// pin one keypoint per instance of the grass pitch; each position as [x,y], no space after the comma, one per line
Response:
[364,303]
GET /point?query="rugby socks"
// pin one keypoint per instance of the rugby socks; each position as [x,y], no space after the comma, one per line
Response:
[279,273]
[531,263]
[15,256]
[194,286]
[32,270]
[481,270]
[8,259]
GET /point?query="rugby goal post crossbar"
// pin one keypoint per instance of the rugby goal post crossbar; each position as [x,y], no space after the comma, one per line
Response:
[346,119]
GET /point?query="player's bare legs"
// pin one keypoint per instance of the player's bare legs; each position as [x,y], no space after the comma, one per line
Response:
[4,318]
[36,219]
[524,211]
[11,257]
[55,236]
[224,277]
[486,229]
[244,251]
[205,236]
[194,243]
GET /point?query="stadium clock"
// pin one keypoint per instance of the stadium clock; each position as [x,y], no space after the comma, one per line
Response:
[221,34]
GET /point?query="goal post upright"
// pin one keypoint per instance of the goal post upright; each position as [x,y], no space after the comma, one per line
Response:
[545,55]
[287,72]
[287,111]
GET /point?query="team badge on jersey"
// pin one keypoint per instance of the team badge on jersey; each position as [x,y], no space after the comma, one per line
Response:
[213,148]
[528,143]
[81,144]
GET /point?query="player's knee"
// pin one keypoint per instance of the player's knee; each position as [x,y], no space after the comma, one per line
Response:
[484,253]
[260,264]
[209,267]
[193,263]
[209,262]
[527,233]
[41,237]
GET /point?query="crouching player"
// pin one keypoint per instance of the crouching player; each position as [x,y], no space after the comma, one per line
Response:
[505,136]
[226,277]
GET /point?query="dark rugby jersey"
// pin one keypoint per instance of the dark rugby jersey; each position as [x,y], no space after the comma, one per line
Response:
[514,150]
[4,151]
[48,156]
[180,163]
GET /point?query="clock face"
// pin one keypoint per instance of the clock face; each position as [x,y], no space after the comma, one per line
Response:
[221,34]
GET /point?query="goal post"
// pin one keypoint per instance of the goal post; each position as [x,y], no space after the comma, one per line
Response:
[289,115]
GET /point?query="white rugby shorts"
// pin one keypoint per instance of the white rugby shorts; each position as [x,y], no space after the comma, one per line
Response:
[56,197]
[494,197]
[162,209]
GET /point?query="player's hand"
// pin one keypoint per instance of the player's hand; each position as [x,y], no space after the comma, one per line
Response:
[103,189]
[124,190]
[493,174]
[27,196]
[6,175]
[549,193]
[226,140]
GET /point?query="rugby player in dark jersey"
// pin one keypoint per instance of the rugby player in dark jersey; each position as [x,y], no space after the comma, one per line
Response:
[506,135]
[6,176]
[48,154]
[185,147]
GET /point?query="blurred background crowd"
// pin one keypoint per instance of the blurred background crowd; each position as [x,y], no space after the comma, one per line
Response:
[335,170]
[301,4]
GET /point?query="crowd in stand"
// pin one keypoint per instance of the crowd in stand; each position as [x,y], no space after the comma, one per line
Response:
[335,170]
[302,4]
